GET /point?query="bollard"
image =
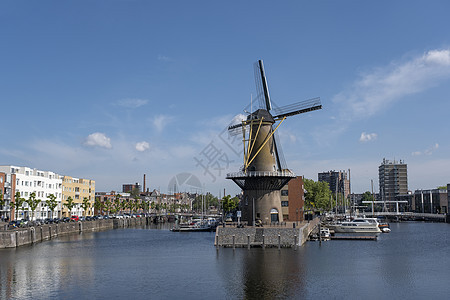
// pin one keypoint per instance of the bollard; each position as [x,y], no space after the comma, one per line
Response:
[279,242]
[234,245]
[50,232]
[33,235]
[248,241]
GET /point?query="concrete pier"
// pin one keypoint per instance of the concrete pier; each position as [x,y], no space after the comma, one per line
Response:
[281,237]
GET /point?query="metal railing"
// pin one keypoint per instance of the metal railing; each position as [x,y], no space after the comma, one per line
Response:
[284,173]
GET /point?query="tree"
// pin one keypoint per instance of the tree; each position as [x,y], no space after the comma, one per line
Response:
[208,201]
[317,195]
[69,204]
[51,202]
[2,201]
[108,205]
[444,187]
[135,193]
[18,202]
[229,204]
[117,204]
[33,203]
[367,196]
[85,205]
[98,205]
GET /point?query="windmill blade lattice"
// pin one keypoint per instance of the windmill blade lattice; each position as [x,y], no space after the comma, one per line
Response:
[297,108]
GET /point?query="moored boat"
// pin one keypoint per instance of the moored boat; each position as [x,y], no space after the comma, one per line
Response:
[196,225]
[325,233]
[357,225]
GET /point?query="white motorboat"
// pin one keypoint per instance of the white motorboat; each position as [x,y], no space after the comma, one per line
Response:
[325,233]
[357,225]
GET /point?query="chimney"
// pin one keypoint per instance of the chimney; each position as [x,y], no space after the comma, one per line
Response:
[144,185]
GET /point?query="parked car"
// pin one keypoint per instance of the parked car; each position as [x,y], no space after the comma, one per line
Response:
[14,224]
[74,218]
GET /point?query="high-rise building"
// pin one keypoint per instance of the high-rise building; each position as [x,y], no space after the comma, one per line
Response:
[393,179]
[338,181]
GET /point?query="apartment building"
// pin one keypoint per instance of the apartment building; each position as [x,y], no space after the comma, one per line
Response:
[77,189]
[293,199]
[393,179]
[431,201]
[338,181]
[26,181]
[7,184]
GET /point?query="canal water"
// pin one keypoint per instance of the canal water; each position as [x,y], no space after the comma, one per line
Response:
[411,262]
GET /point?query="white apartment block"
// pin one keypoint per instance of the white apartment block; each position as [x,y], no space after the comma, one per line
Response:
[43,183]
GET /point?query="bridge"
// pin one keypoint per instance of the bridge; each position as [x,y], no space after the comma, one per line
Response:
[412,215]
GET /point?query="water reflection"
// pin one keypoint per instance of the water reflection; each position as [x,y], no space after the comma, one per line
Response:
[33,272]
[258,273]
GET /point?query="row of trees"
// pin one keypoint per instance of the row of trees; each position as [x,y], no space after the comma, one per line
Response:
[318,196]
[51,203]
[120,205]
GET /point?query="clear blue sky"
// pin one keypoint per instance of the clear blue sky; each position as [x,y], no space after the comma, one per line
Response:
[110,90]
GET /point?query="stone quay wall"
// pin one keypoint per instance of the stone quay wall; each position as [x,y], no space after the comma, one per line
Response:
[264,236]
[27,236]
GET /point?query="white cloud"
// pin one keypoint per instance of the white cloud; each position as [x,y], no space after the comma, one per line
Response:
[131,102]
[142,146]
[164,58]
[376,90]
[427,151]
[367,137]
[161,121]
[98,139]
[237,119]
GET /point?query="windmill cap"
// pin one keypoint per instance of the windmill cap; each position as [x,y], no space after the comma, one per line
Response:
[261,113]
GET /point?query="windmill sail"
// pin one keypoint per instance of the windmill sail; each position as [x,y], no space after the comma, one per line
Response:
[297,108]
[262,89]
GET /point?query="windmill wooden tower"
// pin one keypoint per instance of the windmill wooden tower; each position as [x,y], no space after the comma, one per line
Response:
[264,171]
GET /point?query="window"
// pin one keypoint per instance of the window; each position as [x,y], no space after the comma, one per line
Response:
[284,192]
[284,203]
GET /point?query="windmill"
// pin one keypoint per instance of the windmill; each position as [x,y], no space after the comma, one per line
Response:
[264,171]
